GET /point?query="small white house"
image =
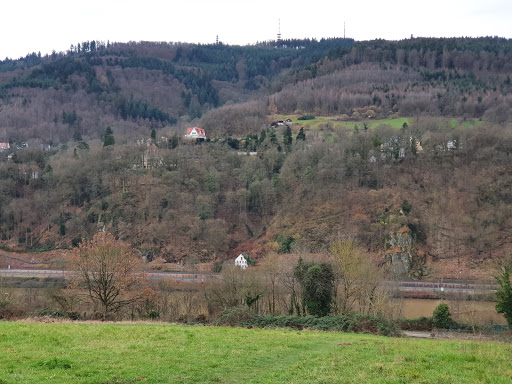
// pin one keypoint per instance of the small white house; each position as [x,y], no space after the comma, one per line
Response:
[241,261]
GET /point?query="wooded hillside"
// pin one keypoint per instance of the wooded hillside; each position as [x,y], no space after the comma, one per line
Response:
[96,141]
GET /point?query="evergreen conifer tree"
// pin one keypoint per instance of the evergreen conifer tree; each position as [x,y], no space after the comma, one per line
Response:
[287,139]
[301,135]
[108,137]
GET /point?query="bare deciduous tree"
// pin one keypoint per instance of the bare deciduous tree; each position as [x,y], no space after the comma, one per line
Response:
[109,270]
[360,282]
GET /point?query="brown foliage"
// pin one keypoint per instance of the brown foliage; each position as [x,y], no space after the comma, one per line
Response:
[110,271]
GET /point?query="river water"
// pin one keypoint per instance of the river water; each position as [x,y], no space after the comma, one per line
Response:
[467,311]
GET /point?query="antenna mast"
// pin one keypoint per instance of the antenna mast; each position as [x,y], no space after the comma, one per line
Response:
[279,31]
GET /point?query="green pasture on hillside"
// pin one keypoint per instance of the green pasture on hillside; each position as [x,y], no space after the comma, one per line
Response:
[465,123]
[396,123]
[161,353]
[321,122]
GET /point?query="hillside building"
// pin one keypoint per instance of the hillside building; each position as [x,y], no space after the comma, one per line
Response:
[195,133]
[241,261]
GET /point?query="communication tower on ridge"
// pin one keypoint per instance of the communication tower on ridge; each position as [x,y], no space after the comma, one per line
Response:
[279,31]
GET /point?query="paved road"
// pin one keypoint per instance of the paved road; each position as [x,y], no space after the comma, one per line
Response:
[407,286]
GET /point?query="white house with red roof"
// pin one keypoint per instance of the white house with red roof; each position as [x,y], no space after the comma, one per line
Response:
[195,133]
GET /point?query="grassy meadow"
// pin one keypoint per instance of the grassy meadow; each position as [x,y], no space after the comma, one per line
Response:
[331,121]
[321,122]
[162,353]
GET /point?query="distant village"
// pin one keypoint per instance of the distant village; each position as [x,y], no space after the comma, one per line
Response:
[152,157]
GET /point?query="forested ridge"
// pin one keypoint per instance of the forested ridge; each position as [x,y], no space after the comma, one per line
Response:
[96,142]
[169,80]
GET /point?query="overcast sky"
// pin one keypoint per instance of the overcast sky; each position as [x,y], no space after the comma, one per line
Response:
[45,25]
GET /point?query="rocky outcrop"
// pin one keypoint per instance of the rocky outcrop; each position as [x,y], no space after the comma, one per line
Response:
[400,251]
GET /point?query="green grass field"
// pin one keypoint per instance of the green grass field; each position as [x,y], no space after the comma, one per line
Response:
[320,122]
[397,123]
[469,123]
[160,353]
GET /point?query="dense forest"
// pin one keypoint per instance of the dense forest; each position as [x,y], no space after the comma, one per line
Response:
[135,85]
[96,143]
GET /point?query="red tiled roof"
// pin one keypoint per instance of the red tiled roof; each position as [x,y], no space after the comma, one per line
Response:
[196,132]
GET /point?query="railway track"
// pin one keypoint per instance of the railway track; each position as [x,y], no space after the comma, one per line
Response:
[465,287]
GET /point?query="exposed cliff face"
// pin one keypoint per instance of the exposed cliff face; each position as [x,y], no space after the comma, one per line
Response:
[400,254]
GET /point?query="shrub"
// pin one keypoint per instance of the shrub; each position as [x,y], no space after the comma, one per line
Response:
[504,294]
[10,311]
[55,313]
[421,324]
[234,316]
[75,241]
[217,267]
[406,207]
[306,117]
[286,242]
[242,317]
[442,318]
[153,315]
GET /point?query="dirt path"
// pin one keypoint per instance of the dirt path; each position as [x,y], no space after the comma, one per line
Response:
[457,335]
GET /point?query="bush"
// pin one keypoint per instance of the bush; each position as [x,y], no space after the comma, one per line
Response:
[242,317]
[306,117]
[234,316]
[55,313]
[286,242]
[442,318]
[406,207]
[10,311]
[217,267]
[504,294]
[421,324]
[153,315]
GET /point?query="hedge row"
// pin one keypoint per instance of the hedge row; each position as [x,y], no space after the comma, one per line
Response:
[242,317]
